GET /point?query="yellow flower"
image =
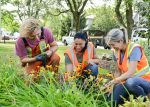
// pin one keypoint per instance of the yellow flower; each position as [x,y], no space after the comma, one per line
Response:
[53,73]
[82,76]
[38,75]
[78,75]
[100,69]
[96,84]
[85,70]
[42,69]
[56,66]
[71,78]
[49,67]
[89,71]
[109,75]
[91,78]
[100,79]
[10,60]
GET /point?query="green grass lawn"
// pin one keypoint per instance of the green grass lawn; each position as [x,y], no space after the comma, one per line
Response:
[14,92]
[8,49]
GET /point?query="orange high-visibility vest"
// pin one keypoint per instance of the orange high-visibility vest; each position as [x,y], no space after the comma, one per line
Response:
[88,54]
[142,69]
[42,46]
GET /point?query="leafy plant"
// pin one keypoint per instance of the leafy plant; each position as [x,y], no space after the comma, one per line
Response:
[138,102]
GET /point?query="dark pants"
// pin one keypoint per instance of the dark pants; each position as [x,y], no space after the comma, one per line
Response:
[93,68]
[136,86]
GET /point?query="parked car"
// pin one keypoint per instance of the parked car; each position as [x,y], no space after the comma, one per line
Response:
[94,36]
[139,34]
[5,38]
[68,39]
[16,35]
[97,38]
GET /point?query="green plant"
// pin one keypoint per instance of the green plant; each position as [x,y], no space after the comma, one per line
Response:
[146,50]
[138,102]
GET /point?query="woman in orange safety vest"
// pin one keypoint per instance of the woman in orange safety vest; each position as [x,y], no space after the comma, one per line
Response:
[81,56]
[133,73]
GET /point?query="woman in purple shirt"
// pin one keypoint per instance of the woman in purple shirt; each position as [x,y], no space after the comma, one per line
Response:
[36,47]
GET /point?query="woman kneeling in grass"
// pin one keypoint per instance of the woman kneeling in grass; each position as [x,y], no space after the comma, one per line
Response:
[80,57]
[133,75]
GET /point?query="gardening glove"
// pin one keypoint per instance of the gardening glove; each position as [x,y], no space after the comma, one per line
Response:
[39,57]
[43,58]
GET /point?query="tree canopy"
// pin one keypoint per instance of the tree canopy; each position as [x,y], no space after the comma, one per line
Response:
[105,18]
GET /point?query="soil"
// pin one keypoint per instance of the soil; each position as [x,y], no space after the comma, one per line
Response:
[106,62]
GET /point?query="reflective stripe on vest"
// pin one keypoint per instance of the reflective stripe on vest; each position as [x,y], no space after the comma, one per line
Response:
[145,70]
[89,51]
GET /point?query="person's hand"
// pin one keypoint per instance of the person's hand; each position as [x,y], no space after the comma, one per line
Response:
[49,53]
[107,89]
[90,62]
[108,85]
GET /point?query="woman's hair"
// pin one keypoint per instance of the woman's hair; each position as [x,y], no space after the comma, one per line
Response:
[83,36]
[117,34]
[28,26]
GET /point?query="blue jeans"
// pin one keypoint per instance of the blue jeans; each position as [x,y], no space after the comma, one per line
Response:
[135,85]
[93,68]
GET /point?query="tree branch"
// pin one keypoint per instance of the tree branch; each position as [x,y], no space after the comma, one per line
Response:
[75,5]
[82,8]
[19,13]
[38,9]
[69,3]
[60,12]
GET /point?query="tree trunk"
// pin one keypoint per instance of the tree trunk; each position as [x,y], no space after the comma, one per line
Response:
[130,22]
[118,14]
[129,13]
[76,8]
[148,41]
[77,21]
[4,39]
